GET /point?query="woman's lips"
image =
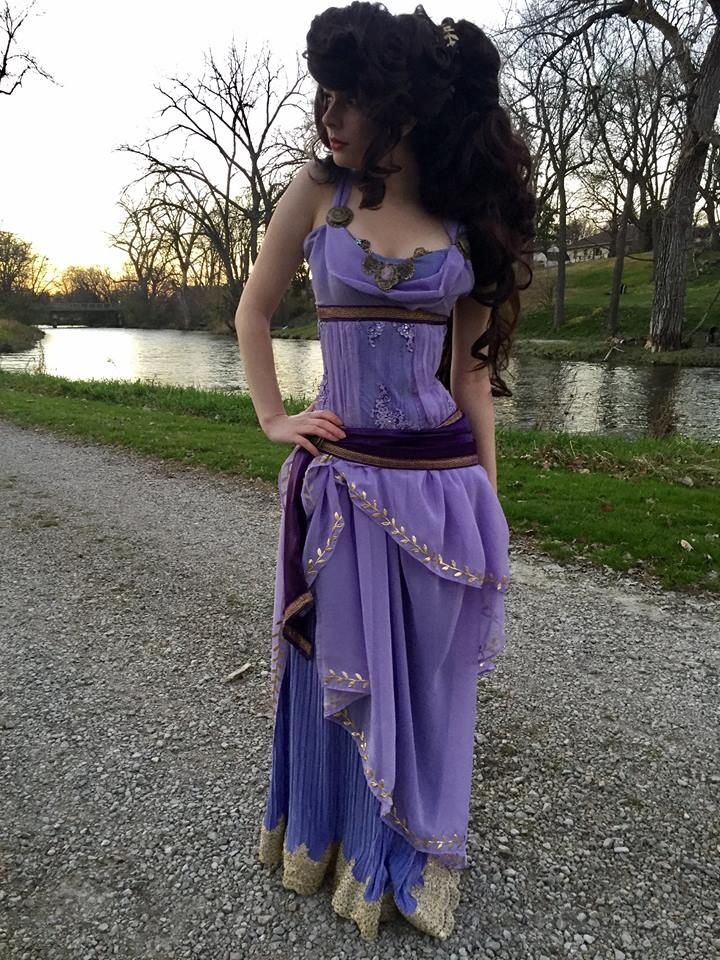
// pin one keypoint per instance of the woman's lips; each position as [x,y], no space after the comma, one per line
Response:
[337,144]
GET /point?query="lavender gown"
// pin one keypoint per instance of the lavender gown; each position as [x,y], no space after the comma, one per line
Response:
[373,740]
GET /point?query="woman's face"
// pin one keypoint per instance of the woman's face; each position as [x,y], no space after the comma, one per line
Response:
[349,130]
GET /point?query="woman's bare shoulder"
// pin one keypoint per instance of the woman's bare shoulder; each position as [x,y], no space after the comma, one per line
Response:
[312,189]
[312,180]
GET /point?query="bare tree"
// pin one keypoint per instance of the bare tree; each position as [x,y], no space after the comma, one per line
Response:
[692,29]
[614,70]
[14,65]
[710,194]
[87,285]
[16,262]
[231,119]
[179,230]
[144,245]
[520,105]
[39,277]
[633,89]
[560,106]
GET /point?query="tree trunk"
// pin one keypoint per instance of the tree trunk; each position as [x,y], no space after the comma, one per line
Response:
[183,307]
[711,214]
[559,311]
[676,237]
[620,244]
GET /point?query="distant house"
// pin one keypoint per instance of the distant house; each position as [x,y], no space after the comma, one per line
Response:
[544,255]
[598,246]
[595,247]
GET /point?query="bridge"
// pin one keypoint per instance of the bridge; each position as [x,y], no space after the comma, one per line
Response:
[64,314]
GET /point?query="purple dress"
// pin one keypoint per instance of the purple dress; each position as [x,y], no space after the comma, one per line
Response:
[373,739]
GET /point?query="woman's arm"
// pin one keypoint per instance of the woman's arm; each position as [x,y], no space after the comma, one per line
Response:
[280,255]
[470,388]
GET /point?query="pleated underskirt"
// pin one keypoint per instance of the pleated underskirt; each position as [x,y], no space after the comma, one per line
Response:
[322,824]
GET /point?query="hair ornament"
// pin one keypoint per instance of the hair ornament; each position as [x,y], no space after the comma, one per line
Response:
[449,34]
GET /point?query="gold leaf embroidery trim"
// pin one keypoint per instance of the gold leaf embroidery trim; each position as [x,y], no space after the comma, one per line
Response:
[313,564]
[378,786]
[437,899]
[352,680]
[442,844]
[278,656]
[398,530]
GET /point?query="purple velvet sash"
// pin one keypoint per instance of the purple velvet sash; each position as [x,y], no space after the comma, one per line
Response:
[451,444]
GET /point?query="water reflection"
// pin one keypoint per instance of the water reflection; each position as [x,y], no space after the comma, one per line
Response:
[587,397]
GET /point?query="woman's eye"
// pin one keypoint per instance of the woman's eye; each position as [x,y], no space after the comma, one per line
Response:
[329,98]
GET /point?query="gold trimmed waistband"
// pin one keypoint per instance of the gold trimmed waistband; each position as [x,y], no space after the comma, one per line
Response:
[382,313]
[333,449]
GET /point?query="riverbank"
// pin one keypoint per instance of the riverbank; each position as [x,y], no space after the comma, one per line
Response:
[647,506]
[15,337]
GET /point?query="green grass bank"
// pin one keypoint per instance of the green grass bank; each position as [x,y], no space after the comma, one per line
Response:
[650,506]
[15,336]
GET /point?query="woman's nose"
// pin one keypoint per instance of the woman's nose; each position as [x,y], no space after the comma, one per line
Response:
[329,116]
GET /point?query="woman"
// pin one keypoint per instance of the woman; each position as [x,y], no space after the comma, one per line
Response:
[392,559]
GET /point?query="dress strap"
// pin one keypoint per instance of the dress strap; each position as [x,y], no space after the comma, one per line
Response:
[451,228]
[342,191]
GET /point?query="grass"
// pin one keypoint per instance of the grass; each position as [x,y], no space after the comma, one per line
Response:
[646,505]
[15,336]
[587,296]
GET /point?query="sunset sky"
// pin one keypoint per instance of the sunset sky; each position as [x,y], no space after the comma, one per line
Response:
[60,171]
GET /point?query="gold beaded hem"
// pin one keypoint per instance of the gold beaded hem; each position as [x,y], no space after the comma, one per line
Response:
[437,896]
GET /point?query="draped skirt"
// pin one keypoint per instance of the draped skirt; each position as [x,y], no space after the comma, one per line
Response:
[373,739]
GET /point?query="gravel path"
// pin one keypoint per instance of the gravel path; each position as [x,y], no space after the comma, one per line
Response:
[133,779]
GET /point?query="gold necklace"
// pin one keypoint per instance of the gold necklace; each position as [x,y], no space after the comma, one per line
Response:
[386,274]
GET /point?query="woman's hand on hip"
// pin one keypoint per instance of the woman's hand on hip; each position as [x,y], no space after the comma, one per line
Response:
[295,428]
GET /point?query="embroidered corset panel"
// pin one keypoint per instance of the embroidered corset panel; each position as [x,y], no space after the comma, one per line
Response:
[380,371]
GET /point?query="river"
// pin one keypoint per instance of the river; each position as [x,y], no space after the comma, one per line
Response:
[549,394]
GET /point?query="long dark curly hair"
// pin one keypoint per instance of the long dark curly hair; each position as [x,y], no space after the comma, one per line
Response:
[473,167]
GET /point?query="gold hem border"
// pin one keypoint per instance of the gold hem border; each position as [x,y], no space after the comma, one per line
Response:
[437,894]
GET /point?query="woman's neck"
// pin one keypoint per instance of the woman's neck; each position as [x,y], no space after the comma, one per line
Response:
[403,186]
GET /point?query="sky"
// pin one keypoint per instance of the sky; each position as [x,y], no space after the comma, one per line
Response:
[61,173]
